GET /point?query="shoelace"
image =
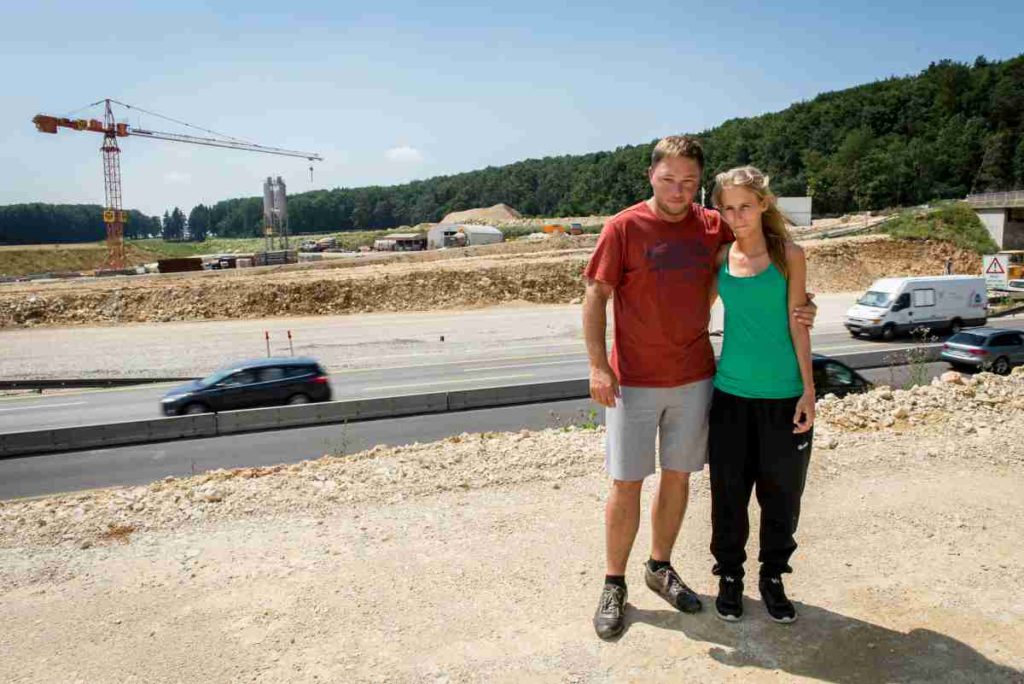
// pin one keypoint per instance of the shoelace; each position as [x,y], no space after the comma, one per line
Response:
[675,583]
[610,600]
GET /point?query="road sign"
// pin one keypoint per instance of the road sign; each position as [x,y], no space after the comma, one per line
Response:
[995,268]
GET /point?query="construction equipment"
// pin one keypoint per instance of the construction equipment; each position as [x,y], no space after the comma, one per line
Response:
[114,215]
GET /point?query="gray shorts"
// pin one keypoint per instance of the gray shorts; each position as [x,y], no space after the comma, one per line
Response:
[678,416]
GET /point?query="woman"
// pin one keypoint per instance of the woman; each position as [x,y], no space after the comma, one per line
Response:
[763,405]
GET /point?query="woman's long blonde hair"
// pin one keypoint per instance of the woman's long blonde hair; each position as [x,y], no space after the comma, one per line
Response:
[773,222]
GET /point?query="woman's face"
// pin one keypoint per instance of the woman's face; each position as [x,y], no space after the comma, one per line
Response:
[742,208]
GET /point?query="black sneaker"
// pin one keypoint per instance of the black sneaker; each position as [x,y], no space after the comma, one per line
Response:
[773,594]
[667,584]
[729,604]
[610,618]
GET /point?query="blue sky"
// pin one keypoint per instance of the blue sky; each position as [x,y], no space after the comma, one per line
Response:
[394,91]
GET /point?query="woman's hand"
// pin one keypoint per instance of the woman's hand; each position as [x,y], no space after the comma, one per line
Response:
[803,418]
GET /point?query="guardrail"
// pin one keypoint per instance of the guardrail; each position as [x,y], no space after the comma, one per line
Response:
[14,444]
[997,200]
[36,442]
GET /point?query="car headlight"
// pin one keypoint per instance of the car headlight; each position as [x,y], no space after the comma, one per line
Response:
[876,321]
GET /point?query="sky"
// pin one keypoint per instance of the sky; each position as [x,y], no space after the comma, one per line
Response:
[389,92]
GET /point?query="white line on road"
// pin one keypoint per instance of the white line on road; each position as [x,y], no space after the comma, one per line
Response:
[576,359]
[452,382]
[42,406]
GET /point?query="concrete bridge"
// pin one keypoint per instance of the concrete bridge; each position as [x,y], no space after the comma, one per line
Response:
[1003,216]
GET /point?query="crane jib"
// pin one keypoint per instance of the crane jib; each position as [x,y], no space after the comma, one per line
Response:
[50,124]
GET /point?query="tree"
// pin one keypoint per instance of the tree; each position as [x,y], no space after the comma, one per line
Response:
[996,170]
[174,225]
[198,223]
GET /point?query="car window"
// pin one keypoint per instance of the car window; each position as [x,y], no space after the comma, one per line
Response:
[240,378]
[1003,340]
[271,373]
[924,297]
[298,371]
[968,339]
[837,374]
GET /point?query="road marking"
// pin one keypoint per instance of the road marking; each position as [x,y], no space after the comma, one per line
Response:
[382,369]
[866,348]
[577,359]
[42,406]
[451,382]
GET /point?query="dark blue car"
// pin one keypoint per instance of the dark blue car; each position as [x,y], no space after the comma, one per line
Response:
[263,382]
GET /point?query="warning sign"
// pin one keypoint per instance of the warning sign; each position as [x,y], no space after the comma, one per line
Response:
[995,267]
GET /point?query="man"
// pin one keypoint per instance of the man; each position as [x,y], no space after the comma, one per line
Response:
[655,259]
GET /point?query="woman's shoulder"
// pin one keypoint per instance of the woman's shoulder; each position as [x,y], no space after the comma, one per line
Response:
[722,254]
[794,251]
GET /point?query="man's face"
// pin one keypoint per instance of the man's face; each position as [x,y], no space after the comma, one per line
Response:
[675,181]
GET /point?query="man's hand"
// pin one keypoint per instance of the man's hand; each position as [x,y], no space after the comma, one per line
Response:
[806,314]
[604,386]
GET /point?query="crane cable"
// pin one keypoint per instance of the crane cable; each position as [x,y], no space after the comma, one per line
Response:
[75,111]
[183,123]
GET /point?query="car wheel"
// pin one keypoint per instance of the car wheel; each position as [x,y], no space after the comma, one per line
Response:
[889,332]
[854,334]
[1001,366]
[195,409]
[298,399]
[956,326]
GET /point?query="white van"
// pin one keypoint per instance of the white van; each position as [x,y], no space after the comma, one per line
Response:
[899,305]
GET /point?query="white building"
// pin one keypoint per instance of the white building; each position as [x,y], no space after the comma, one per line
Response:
[796,209]
[462,235]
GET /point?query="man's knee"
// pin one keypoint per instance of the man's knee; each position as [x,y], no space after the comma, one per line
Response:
[627,487]
[680,477]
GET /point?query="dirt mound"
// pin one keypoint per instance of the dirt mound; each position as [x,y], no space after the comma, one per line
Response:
[499,213]
[851,264]
[546,272]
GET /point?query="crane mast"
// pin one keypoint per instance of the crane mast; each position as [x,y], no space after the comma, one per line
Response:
[114,216]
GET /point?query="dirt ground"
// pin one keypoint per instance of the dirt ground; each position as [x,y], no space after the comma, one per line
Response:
[548,272]
[479,558]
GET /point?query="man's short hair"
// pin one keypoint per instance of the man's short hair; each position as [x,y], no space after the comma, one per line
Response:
[678,146]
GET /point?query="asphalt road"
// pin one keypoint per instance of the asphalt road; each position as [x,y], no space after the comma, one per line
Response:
[136,465]
[505,365]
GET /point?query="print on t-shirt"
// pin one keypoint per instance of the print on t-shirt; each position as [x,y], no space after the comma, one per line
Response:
[684,260]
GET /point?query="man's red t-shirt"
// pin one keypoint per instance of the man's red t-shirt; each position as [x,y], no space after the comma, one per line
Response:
[661,273]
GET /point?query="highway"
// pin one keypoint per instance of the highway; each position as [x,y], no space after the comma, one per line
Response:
[142,464]
[515,364]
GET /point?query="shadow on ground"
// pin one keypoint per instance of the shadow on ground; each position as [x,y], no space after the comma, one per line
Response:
[831,647]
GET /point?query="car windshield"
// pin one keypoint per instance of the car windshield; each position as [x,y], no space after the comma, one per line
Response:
[1017,283]
[969,339]
[877,299]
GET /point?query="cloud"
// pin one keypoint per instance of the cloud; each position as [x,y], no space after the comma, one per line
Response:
[404,154]
[177,178]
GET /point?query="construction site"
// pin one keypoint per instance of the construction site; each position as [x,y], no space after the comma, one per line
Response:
[272,554]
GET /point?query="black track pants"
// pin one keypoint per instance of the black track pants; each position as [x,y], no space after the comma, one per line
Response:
[751,444]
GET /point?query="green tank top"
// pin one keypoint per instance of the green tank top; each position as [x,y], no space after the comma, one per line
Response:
[758,360]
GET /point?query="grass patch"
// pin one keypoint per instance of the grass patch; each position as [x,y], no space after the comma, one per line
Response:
[955,222]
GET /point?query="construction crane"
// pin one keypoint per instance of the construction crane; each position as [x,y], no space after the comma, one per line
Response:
[114,215]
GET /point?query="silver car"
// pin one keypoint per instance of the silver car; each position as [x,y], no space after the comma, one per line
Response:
[992,349]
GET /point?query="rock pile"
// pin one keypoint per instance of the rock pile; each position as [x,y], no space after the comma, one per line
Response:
[961,404]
